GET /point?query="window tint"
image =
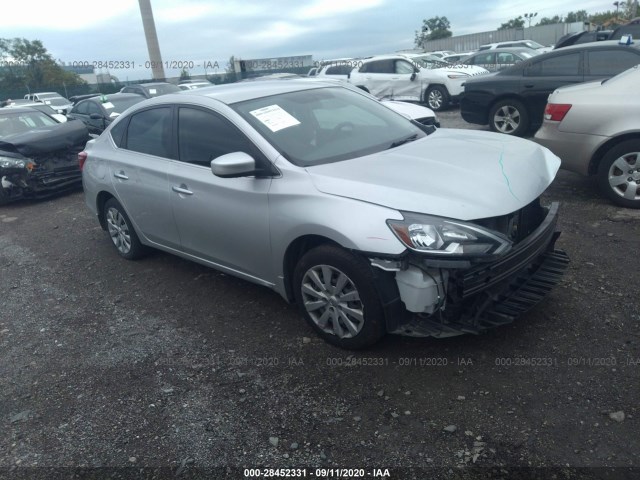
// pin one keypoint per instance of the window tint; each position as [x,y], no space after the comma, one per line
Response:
[117,132]
[556,66]
[505,57]
[611,62]
[338,70]
[381,66]
[203,136]
[403,67]
[93,108]
[483,59]
[150,132]
[82,108]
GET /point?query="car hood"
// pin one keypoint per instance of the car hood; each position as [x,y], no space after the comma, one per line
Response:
[451,173]
[46,139]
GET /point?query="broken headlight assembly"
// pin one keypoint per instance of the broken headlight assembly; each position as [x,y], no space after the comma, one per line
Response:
[8,162]
[447,237]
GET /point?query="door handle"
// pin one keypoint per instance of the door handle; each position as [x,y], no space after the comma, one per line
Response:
[121,175]
[182,189]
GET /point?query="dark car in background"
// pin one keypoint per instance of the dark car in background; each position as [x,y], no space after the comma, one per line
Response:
[98,112]
[513,100]
[150,90]
[38,155]
[499,58]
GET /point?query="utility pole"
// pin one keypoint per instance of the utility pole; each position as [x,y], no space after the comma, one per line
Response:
[529,17]
[152,40]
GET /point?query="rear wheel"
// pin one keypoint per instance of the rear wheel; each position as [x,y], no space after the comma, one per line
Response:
[121,231]
[437,98]
[619,174]
[338,297]
[509,116]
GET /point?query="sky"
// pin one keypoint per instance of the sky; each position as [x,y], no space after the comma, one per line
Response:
[208,32]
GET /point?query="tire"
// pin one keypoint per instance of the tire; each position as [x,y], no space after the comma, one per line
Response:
[121,231]
[619,174]
[351,317]
[437,98]
[509,116]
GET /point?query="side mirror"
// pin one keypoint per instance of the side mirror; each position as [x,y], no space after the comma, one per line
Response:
[96,116]
[413,76]
[233,165]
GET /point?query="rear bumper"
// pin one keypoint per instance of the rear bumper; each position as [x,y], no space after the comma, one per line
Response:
[488,295]
[574,149]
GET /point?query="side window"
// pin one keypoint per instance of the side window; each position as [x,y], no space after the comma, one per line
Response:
[81,108]
[203,136]
[611,62]
[382,66]
[117,132]
[506,58]
[150,132]
[93,108]
[562,65]
[404,68]
[338,70]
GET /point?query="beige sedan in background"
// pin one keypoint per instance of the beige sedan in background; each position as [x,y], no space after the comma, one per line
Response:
[595,129]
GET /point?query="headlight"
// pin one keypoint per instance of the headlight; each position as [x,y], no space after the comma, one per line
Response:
[441,236]
[8,162]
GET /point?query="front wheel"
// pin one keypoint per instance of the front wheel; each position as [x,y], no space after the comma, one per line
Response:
[437,98]
[510,117]
[619,174]
[338,297]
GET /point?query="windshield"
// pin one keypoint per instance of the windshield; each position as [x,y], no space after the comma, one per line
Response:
[532,44]
[119,105]
[57,101]
[155,90]
[429,62]
[324,125]
[19,122]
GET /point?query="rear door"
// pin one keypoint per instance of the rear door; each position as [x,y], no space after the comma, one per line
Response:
[139,172]
[543,76]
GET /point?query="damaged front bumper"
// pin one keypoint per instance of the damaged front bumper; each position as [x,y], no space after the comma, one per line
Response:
[50,175]
[445,299]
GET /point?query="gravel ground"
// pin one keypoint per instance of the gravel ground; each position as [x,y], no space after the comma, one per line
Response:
[162,363]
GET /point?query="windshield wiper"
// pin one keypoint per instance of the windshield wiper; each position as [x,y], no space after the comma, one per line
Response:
[410,138]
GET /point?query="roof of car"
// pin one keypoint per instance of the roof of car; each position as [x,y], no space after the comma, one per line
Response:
[152,84]
[238,92]
[113,96]
[507,50]
[21,109]
[600,44]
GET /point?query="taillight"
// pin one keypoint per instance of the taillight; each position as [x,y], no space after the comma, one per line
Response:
[556,111]
[82,157]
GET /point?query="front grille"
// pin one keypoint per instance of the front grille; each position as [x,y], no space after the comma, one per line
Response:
[517,225]
[524,254]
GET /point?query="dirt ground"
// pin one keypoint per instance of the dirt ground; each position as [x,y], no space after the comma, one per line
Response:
[166,368]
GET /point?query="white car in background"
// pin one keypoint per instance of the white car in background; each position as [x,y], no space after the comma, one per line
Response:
[193,85]
[414,77]
[517,44]
[418,113]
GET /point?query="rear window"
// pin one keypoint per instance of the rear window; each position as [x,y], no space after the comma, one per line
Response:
[611,62]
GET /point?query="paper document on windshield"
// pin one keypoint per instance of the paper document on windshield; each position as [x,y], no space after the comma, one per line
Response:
[275,118]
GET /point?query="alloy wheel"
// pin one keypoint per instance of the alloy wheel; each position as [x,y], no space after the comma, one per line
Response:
[506,119]
[624,176]
[118,230]
[332,301]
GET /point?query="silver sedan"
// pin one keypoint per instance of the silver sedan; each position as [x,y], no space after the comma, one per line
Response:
[372,223]
[595,129]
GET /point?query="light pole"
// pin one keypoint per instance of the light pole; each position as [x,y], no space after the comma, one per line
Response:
[529,17]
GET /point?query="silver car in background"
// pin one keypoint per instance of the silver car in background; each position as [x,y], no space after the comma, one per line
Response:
[595,129]
[372,223]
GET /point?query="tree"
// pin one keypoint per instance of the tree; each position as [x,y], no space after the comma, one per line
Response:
[517,22]
[28,64]
[550,21]
[184,75]
[579,16]
[433,29]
